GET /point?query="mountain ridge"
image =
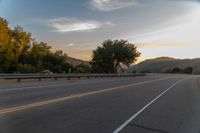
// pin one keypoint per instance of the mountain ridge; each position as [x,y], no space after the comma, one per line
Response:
[162,64]
[74,61]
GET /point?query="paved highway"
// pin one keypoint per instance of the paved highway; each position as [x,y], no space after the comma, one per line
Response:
[149,104]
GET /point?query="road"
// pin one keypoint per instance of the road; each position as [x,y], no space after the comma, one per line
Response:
[151,104]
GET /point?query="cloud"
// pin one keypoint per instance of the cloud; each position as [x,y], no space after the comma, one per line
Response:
[163,44]
[182,30]
[70,44]
[70,25]
[73,25]
[109,5]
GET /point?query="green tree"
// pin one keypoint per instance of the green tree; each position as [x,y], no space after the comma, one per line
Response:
[12,43]
[5,35]
[20,42]
[25,68]
[188,70]
[38,52]
[176,70]
[5,52]
[20,53]
[111,54]
[81,68]
[57,62]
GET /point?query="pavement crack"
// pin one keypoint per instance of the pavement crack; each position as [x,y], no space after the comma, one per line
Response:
[148,128]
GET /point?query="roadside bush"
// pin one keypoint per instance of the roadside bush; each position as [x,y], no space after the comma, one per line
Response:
[82,68]
[25,68]
[188,70]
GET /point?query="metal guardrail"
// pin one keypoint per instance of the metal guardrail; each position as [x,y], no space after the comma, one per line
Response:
[19,77]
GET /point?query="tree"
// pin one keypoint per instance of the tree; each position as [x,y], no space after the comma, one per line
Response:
[20,40]
[12,43]
[188,70]
[25,68]
[145,71]
[5,33]
[5,52]
[57,62]
[81,68]
[38,52]
[112,54]
[176,70]
[20,53]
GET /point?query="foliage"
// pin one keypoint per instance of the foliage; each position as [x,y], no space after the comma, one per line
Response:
[188,70]
[112,54]
[176,70]
[145,71]
[133,71]
[20,53]
[25,68]
[81,68]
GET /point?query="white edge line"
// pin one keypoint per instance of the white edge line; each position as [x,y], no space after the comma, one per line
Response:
[146,106]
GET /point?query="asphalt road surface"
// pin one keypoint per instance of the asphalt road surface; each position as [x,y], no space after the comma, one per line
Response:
[149,104]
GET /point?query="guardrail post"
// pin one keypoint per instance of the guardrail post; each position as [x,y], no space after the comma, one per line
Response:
[18,80]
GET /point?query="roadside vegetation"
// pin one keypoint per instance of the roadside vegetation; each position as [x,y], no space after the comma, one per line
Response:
[176,70]
[20,53]
[113,55]
[187,70]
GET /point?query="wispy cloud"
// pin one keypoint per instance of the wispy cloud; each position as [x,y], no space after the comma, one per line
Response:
[109,5]
[70,44]
[182,30]
[73,25]
[163,44]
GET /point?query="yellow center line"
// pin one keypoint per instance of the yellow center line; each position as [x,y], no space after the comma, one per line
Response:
[47,102]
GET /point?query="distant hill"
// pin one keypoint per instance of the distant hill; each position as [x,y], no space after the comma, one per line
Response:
[74,61]
[163,64]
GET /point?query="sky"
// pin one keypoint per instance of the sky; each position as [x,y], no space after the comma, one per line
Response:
[157,27]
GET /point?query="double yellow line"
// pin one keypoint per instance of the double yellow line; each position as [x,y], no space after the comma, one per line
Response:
[46,102]
[52,101]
